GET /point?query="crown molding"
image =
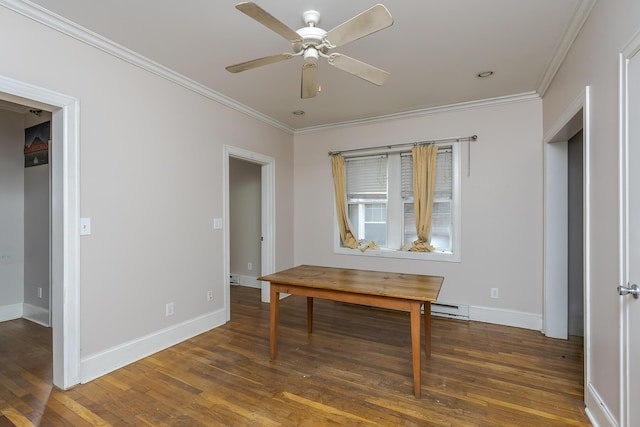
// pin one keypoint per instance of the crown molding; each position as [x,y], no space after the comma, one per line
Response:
[580,16]
[509,99]
[71,29]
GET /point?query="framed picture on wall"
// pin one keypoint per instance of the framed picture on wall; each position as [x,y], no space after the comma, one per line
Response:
[36,145]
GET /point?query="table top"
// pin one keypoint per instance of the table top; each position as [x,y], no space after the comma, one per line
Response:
[419,287]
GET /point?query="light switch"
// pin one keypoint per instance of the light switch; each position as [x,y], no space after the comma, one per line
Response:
[85,226]
[217,223]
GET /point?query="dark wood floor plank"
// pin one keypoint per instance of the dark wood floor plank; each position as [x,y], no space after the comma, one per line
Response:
[355,369]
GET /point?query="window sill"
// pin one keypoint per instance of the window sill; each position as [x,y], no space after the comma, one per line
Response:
[391,253]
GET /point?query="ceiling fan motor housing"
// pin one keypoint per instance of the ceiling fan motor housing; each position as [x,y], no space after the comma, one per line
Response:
[312,36]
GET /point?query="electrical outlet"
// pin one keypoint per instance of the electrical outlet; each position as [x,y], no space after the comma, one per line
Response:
[39,292]
[169,309]
[210,295]
[495,293]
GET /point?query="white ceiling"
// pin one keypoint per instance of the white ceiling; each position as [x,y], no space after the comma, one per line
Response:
[433,51]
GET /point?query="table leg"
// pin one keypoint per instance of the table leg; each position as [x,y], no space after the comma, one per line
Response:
[274,303]
[427,328]
[415,345]
[309,314]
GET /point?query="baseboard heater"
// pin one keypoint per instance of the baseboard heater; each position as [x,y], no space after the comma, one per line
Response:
[452,311]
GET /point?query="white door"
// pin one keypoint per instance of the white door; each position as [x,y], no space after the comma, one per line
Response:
[631,245]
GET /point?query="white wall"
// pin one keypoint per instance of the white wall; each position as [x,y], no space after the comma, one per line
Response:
[11,215]
[36,233]
[575,233]
[151,182]
[245,192]
[501,205]
[593,61]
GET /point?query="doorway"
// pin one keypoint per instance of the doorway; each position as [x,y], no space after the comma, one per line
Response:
[557,249]
[25,214]
[245,227]
[65,222]
[574,122]
[267,217]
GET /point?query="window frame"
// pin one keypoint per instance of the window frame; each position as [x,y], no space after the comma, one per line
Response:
[456,223]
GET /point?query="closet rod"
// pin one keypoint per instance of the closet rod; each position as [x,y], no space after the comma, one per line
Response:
[408,144]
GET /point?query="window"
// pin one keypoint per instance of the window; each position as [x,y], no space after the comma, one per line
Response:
[367,197]
[380,204]
[441,220]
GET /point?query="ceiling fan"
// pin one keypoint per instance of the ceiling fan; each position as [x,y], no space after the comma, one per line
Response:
[312,42]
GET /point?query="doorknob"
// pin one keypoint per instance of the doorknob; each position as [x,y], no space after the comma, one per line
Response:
[633,290]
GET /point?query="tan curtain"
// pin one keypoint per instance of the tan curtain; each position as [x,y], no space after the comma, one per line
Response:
[424,184]
[340,184]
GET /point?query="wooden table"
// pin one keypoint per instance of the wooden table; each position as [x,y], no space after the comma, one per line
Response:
[399,291]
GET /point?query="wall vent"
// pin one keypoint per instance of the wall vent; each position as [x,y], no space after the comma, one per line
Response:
[452,311]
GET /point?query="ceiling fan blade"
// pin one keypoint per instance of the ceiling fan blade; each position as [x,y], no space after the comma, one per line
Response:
[309,85]
[255,63]
[371,20]
[265,18]
[359,68]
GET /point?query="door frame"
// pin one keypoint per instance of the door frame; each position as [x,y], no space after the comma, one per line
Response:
[628,52]
[555,319]
[574,118]
[65,222]
[268,217]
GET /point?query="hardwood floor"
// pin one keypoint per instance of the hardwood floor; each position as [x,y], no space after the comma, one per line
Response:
[355,369]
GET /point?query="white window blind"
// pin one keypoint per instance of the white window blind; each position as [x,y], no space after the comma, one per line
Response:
[367,197]
[366,176]
[444,175]
[406,167]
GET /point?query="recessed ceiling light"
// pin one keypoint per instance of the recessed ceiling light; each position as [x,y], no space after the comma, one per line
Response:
[298,113]
[484,74]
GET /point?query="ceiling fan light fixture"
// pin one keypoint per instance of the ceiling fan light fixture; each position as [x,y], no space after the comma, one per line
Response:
[311,55]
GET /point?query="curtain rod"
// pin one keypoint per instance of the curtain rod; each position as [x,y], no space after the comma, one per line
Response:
[408,144]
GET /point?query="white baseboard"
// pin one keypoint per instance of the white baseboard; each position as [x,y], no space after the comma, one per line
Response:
[249,281]
[499,316]
[597,411]
[96,365]
[519,319]
[10,312]
[36,314]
